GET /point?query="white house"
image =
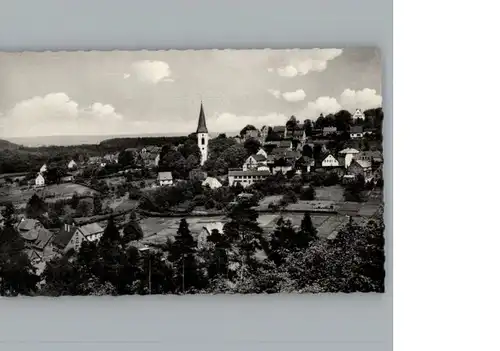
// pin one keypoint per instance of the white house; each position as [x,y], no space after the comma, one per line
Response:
[262,152]
[72,164]
[212,182]
[43,169]
[253,161]
[282,169]
[349,155]
[39,180]
[358,114]
[165,178]
[330,161]
[246,178]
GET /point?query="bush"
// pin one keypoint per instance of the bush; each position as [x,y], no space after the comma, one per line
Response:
[308,193]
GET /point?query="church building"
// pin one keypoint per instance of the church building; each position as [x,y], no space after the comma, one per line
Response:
[202,133]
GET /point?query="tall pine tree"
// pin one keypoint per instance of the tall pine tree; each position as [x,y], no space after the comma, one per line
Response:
[307,232]
[182,255]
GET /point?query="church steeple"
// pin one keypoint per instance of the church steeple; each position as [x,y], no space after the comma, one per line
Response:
[202,124]
[202,134]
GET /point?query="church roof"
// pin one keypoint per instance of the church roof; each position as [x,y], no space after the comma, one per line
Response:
[202,124]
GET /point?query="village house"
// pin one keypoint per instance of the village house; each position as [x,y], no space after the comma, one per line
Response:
[282,166]
[358,115]
[262,152]
[356,132]
[348,154]
[361,167]
[246,178]
[36,238]
[165,178]
[72,164]
[39,181]
[254,161]
[212,183]
[372,156]
[72,237]
[304,164]
[279,131]
[285,144]
[329,131]
[329,161]
[43,169]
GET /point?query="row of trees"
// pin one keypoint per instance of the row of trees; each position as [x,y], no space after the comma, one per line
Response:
[244,259]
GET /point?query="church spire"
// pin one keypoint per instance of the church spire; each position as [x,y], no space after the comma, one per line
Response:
[202,124]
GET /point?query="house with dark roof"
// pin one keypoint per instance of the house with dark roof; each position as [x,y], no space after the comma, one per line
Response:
[356,132]
[71,236]
[304,164]
[246,178]
[361,167]
[279,131]
[329,131]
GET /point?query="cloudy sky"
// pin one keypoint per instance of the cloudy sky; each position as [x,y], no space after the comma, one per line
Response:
[118,92]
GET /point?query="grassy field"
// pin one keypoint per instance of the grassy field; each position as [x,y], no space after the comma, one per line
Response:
[20,195]
[157,230]
[121,204]
[330,199]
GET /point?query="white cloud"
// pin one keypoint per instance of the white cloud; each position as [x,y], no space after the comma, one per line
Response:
[275,93]
[294,96]
[152,72]
[291,96]
[220,122]
[301,62]
[57,113]
[323,104]
[362,99]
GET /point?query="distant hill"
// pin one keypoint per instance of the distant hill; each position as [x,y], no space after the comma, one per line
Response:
[4,144]
[69,140]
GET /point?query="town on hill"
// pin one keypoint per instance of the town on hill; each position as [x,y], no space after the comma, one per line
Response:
[285,208]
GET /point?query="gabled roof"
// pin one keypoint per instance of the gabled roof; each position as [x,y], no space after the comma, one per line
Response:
[212,182]
[363,163]
[27,224]
[329,129]
[284,143]
[202,124]
[349,151]
[43,238]
[324,157]
[258,157]
[64,236]
[249,173]
[165,176]
[356,129]
[375,155]
[91,228]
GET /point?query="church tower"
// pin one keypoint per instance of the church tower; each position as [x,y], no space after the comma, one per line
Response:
[202,133]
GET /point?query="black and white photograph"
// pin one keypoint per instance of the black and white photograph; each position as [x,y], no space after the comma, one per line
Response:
[191,172]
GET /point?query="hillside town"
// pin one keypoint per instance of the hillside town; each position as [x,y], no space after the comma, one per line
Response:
[200,213]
